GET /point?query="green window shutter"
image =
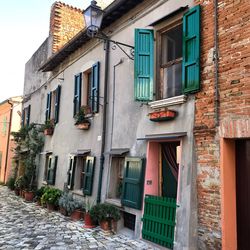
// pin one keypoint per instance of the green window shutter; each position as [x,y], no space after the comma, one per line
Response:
[191,51]
[71,172]
[95,79]
[144,64]
[52,171]
[28,116]
[133,179]
[88,175]
[57,103]
[23,117]
[49,168]
[48,107]
[77,93]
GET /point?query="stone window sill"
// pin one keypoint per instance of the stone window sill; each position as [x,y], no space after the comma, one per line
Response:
[168,102]
[116,202]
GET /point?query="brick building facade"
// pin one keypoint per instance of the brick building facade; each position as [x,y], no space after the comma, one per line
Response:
[224,114]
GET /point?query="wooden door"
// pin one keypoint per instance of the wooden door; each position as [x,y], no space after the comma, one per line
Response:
[243,193]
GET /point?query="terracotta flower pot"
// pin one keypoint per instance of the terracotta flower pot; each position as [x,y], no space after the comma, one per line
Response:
[50,207]
[48,131]
[83,126]
[17,191]
[63,211]
[88,223]
[76,215]
[28,195]
[114,226]
[105,225]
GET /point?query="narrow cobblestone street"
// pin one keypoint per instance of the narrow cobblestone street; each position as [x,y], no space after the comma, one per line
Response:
[27,226]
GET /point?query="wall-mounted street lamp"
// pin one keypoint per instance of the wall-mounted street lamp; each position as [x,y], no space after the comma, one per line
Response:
[93,19]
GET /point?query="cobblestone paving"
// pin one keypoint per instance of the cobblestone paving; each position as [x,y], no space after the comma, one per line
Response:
[27,226]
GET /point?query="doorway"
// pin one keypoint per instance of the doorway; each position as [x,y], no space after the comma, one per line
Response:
[242,148]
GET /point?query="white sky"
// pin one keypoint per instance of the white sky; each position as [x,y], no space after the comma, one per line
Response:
[24,25]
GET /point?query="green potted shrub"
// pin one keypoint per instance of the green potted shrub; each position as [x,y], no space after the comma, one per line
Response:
[81,121]
[51,198]
[105,214]
[11,183]
[21,184]
[39,193]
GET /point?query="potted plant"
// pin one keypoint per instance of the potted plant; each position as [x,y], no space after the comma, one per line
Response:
[81,121]
[39,193]
[51,198]
[90,216]
[11,183]
[48,127]
[76,209]
[106,214]
[21,184]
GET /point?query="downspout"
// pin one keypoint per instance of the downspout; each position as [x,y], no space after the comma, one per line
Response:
[8,140]
[216,63]
[113,101]
[102,158]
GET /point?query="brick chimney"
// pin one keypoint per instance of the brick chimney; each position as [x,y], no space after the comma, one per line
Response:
[65,22]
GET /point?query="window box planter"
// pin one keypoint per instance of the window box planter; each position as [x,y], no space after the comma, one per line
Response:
[165,115]
[48,131]
[83,126]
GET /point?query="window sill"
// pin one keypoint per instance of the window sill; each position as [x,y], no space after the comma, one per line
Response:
[168,102]
[78,192]
[116,202]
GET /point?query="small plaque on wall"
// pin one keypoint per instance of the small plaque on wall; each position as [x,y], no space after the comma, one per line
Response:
[149,182]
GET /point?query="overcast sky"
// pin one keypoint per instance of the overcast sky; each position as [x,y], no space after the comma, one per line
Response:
[24,25]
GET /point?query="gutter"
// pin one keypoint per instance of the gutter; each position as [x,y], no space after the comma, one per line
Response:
[104,122]
[8,140]
[216,64]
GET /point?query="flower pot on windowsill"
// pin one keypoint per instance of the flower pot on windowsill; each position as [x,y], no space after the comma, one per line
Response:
[165,115]
[83,125]
[48,131]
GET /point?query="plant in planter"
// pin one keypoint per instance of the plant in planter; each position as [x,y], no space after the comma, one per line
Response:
[21,183]
[90,217]
[11,183]
[48,127]
[51,198]
[39,193]
[106,214]
[76,209]
[81,120]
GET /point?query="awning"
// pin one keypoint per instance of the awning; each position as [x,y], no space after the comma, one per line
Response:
[81,152]
[163,136]
[175,12]
[117,151]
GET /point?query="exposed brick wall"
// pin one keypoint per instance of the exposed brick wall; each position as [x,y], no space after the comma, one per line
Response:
[234,104]
[65,22]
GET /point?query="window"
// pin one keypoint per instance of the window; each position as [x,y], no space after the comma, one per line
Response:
[81,173]
[50,169]
[177,55]
[26,116]
[86,89]
[116,178]
[170,57]
[53,105]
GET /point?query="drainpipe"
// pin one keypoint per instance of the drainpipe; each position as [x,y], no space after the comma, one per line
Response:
[113,101]
[8,140]
[216,63]
[102,158]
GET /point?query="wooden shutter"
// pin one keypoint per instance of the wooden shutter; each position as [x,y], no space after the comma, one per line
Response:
[23,117]
[48,107]
[95,78]
[52,170]
[28,116]
[144,64]
[77,93]
[57,103]
[88,175]
[71,172]
[191,51]
[133,178]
